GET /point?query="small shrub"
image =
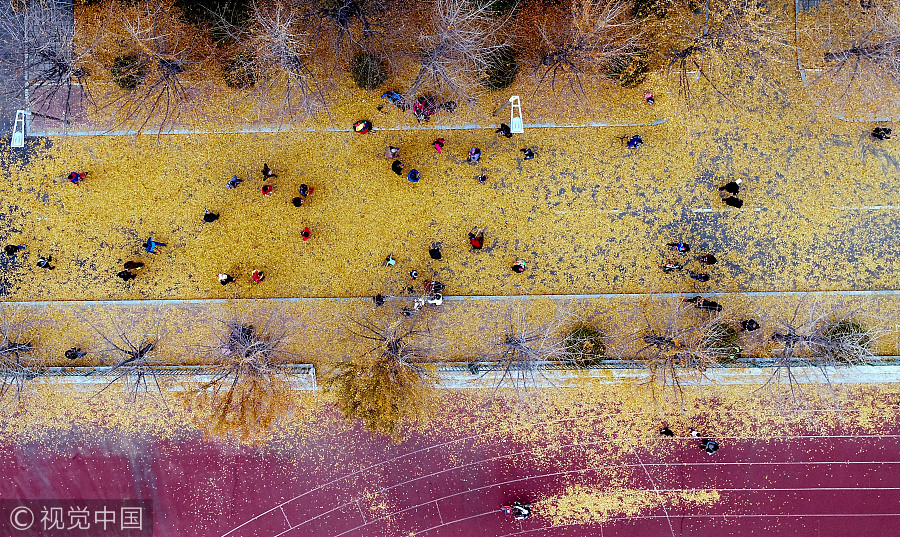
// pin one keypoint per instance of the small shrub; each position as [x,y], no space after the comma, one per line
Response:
[127,72]
[501,69]
[367,71]
[585,346]
[848,336]
[239,72]
[722,341]
[629,70]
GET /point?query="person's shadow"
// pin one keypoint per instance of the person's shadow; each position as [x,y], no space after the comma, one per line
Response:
[866,145]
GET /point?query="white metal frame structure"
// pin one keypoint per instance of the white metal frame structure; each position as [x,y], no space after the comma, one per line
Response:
[515,121]
[18,134]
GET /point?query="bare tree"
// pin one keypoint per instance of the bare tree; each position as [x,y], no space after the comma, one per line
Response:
[131,342]
[455,50]
[41,60]
[388,385]
[860,45]
[680,340]
[156,53]
[248,390]
[722,41]
[810,340]
[597,36]
[519,356]
[20,359]
[275,54]
[354,25]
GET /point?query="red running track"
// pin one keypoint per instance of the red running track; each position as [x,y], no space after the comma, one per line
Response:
[348,485]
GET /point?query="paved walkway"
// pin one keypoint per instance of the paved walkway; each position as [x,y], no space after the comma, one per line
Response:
[587,218]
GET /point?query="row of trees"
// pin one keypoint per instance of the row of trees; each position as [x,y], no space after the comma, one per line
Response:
[144,63]
[391,381]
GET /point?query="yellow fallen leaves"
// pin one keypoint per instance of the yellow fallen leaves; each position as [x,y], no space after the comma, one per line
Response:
[580,504]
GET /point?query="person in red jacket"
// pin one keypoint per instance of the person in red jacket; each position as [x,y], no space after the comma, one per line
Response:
[476,239]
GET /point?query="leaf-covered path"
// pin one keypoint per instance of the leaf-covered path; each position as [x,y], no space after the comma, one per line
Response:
[588,214]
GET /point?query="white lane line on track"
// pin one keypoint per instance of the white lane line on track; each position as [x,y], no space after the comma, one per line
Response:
[474,436]
[286,518]
[564,420]
[544,528]
[361,513]
[438,507]
[756,210]
[866,207]
[388,515]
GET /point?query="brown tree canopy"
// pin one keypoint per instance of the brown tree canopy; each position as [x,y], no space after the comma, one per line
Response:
[387,386]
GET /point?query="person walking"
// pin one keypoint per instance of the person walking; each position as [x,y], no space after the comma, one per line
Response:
[305,234]
[267,172]
[233,182]
[44,262]
[474,155]
[519,266]
[414,274]
[133,265]
[362,126]
[749,325]
[391,152]
[438,145]
[635,141]
[413,176]
[699,276]
[74,353]
[126,275]
[75,178]
[210,216]
[504,130]
[707,259]
[668,268]
[397,167]
[435,250]
[665,431]
[390,261]
[378,300]
[257,276]
[225,278]
[732,201]
[679,247]
[529,154]
[297,201]
[476,239]
[648,96]
[881,133]
[708,305]
[482,178]
[268,190]
[13,249]
[708,445]
[731,187]
[150,245]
